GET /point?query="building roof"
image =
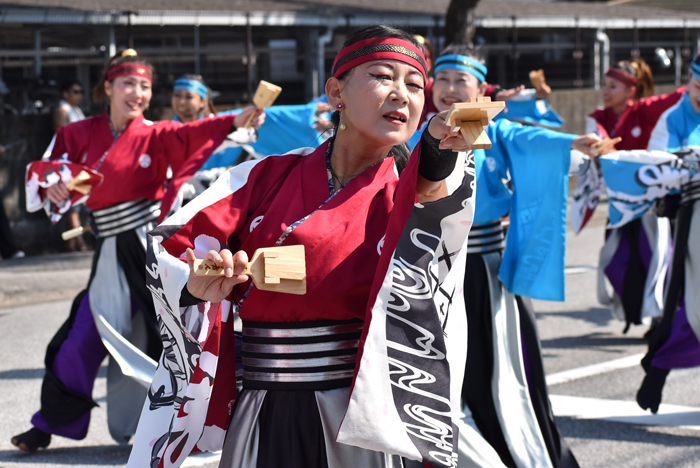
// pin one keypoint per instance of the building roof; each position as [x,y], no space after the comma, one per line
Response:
[687,6]
[490,13]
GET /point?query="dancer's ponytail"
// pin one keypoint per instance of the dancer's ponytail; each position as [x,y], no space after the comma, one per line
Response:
[645,79]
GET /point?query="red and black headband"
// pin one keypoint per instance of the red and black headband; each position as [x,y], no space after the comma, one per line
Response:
[129,69]
[622,77]
[378,49]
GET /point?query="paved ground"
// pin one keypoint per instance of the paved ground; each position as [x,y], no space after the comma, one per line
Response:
[595,412]
[578,333]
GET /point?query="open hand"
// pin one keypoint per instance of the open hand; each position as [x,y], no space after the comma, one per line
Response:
[217,288]
[508,94]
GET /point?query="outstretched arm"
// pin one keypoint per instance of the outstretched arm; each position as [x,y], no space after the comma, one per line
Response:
[202,137]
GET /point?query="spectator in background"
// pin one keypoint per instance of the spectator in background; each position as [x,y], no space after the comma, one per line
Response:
[67,112]
[7,243]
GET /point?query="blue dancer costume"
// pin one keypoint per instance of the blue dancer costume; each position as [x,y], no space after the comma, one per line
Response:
[510,422]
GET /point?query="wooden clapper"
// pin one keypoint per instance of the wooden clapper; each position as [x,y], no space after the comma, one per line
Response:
[79,184]
[537,78]
[264,97]
[278,269]
[472,118]
[604,144]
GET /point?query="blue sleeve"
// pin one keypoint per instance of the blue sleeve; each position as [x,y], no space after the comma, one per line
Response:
[635,180]
[287,128]
[228,112]
[518,141]
[538,160]
[675,133]
[537,111]
[694,138]
[675,127]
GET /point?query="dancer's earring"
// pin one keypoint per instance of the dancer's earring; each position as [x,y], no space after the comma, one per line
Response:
[341,126]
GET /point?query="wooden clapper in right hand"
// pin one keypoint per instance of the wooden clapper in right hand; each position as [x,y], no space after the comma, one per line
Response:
[80,184]
[278,269]
[604,144]
[537,78]
[264,97]
[472,118]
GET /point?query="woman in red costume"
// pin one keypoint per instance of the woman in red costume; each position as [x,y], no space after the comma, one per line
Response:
[634,259]
[360,370]
[115,312]
[631,109]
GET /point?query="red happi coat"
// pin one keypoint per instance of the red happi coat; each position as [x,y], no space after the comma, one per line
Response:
[357,244]
[136,164]
[635,124]
[341,249]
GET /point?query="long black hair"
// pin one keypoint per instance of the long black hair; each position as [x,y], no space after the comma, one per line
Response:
[379,31]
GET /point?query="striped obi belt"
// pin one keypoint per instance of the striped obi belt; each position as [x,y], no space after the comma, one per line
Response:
[486,238]
[317,355]
[124,217]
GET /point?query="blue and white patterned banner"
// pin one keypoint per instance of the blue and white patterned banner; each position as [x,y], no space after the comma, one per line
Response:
[637,179]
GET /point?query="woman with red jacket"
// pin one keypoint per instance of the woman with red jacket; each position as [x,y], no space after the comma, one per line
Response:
[634,259]
[115,313]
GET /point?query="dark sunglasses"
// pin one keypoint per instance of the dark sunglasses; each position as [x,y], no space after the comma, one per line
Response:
[76,91]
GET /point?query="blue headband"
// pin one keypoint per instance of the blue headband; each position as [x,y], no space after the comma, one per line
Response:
[463,63]
[695,70]
[191,85]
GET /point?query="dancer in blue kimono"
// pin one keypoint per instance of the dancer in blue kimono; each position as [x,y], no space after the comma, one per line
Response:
[679,126]
[510,423]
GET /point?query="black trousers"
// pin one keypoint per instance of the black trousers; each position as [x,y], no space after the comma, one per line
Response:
[476,390]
